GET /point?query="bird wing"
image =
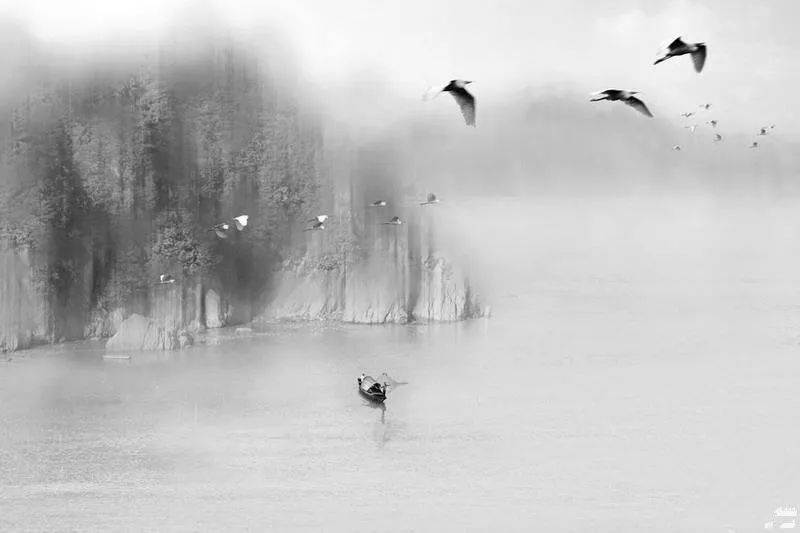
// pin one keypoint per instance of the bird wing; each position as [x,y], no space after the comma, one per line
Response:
[433,92]
[677,43]
[467,104]
[699,57]
[638,105]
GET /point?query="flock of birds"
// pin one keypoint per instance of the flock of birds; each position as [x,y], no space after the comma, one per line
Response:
[678,47]
[319,220]
[240,223]
[466,102]
[718,136]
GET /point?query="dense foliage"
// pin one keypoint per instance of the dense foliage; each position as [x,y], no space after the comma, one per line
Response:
[116,179]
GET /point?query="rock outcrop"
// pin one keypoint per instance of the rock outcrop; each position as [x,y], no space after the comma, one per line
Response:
[141,333]
[395,275]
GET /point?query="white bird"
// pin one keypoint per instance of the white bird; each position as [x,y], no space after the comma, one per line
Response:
[713,123]
[431,199]
[221,229]
[391,382]
[688,114]
[624,96]
[691,128]
[319,225]
[319,218]
[395,221]
[676,148]
[240,221]
[378,203]
[166,278]
[678,48]
[717,137]
[457,89]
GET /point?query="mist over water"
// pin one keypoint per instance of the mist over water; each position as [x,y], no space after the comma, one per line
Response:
[637,374]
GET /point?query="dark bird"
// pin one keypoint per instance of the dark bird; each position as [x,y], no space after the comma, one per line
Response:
[431,199]
[221,229]
[378,203]
[166,278]
[317,226]
[763,131]
[717,137]
[679,48]
[713,123]
[624,96]
[772,127]
[395,221]
[240,221]
[688,114]
[705,106]
[457,89]
[676,148]
[754,145]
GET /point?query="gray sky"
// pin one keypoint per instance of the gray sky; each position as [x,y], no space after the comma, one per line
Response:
[506,45]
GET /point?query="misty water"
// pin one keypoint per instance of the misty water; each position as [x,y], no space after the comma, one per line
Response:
[638,373]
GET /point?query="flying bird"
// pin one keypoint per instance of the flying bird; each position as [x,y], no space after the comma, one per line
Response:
[717,137]
[713,123]
[763,131]
[706,106]
[431,199]
[678,48]
[677,148]
[772,127]
[395,221]
[319,218]
[385,378]
[457,89]
[378,203]
[624,96]
[240,221]
[688,114]
[754,145]
[691,128]
[221,229]
[319,225]
[166,278]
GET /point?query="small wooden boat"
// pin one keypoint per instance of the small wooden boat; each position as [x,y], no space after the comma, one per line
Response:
[371,389]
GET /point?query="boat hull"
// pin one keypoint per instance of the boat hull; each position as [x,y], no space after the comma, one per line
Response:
[376,397]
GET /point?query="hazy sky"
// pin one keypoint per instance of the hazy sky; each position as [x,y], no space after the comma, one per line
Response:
[585,45]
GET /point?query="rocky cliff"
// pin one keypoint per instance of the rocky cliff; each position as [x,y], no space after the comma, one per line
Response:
[111,178]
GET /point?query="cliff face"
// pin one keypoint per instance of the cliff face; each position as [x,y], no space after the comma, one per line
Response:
[111,179]
[395,274]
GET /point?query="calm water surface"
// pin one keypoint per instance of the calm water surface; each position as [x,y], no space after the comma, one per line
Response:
[640,373]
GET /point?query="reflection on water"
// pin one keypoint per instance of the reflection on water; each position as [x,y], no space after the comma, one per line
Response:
[631,384]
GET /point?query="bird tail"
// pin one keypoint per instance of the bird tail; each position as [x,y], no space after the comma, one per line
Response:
[660,60]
